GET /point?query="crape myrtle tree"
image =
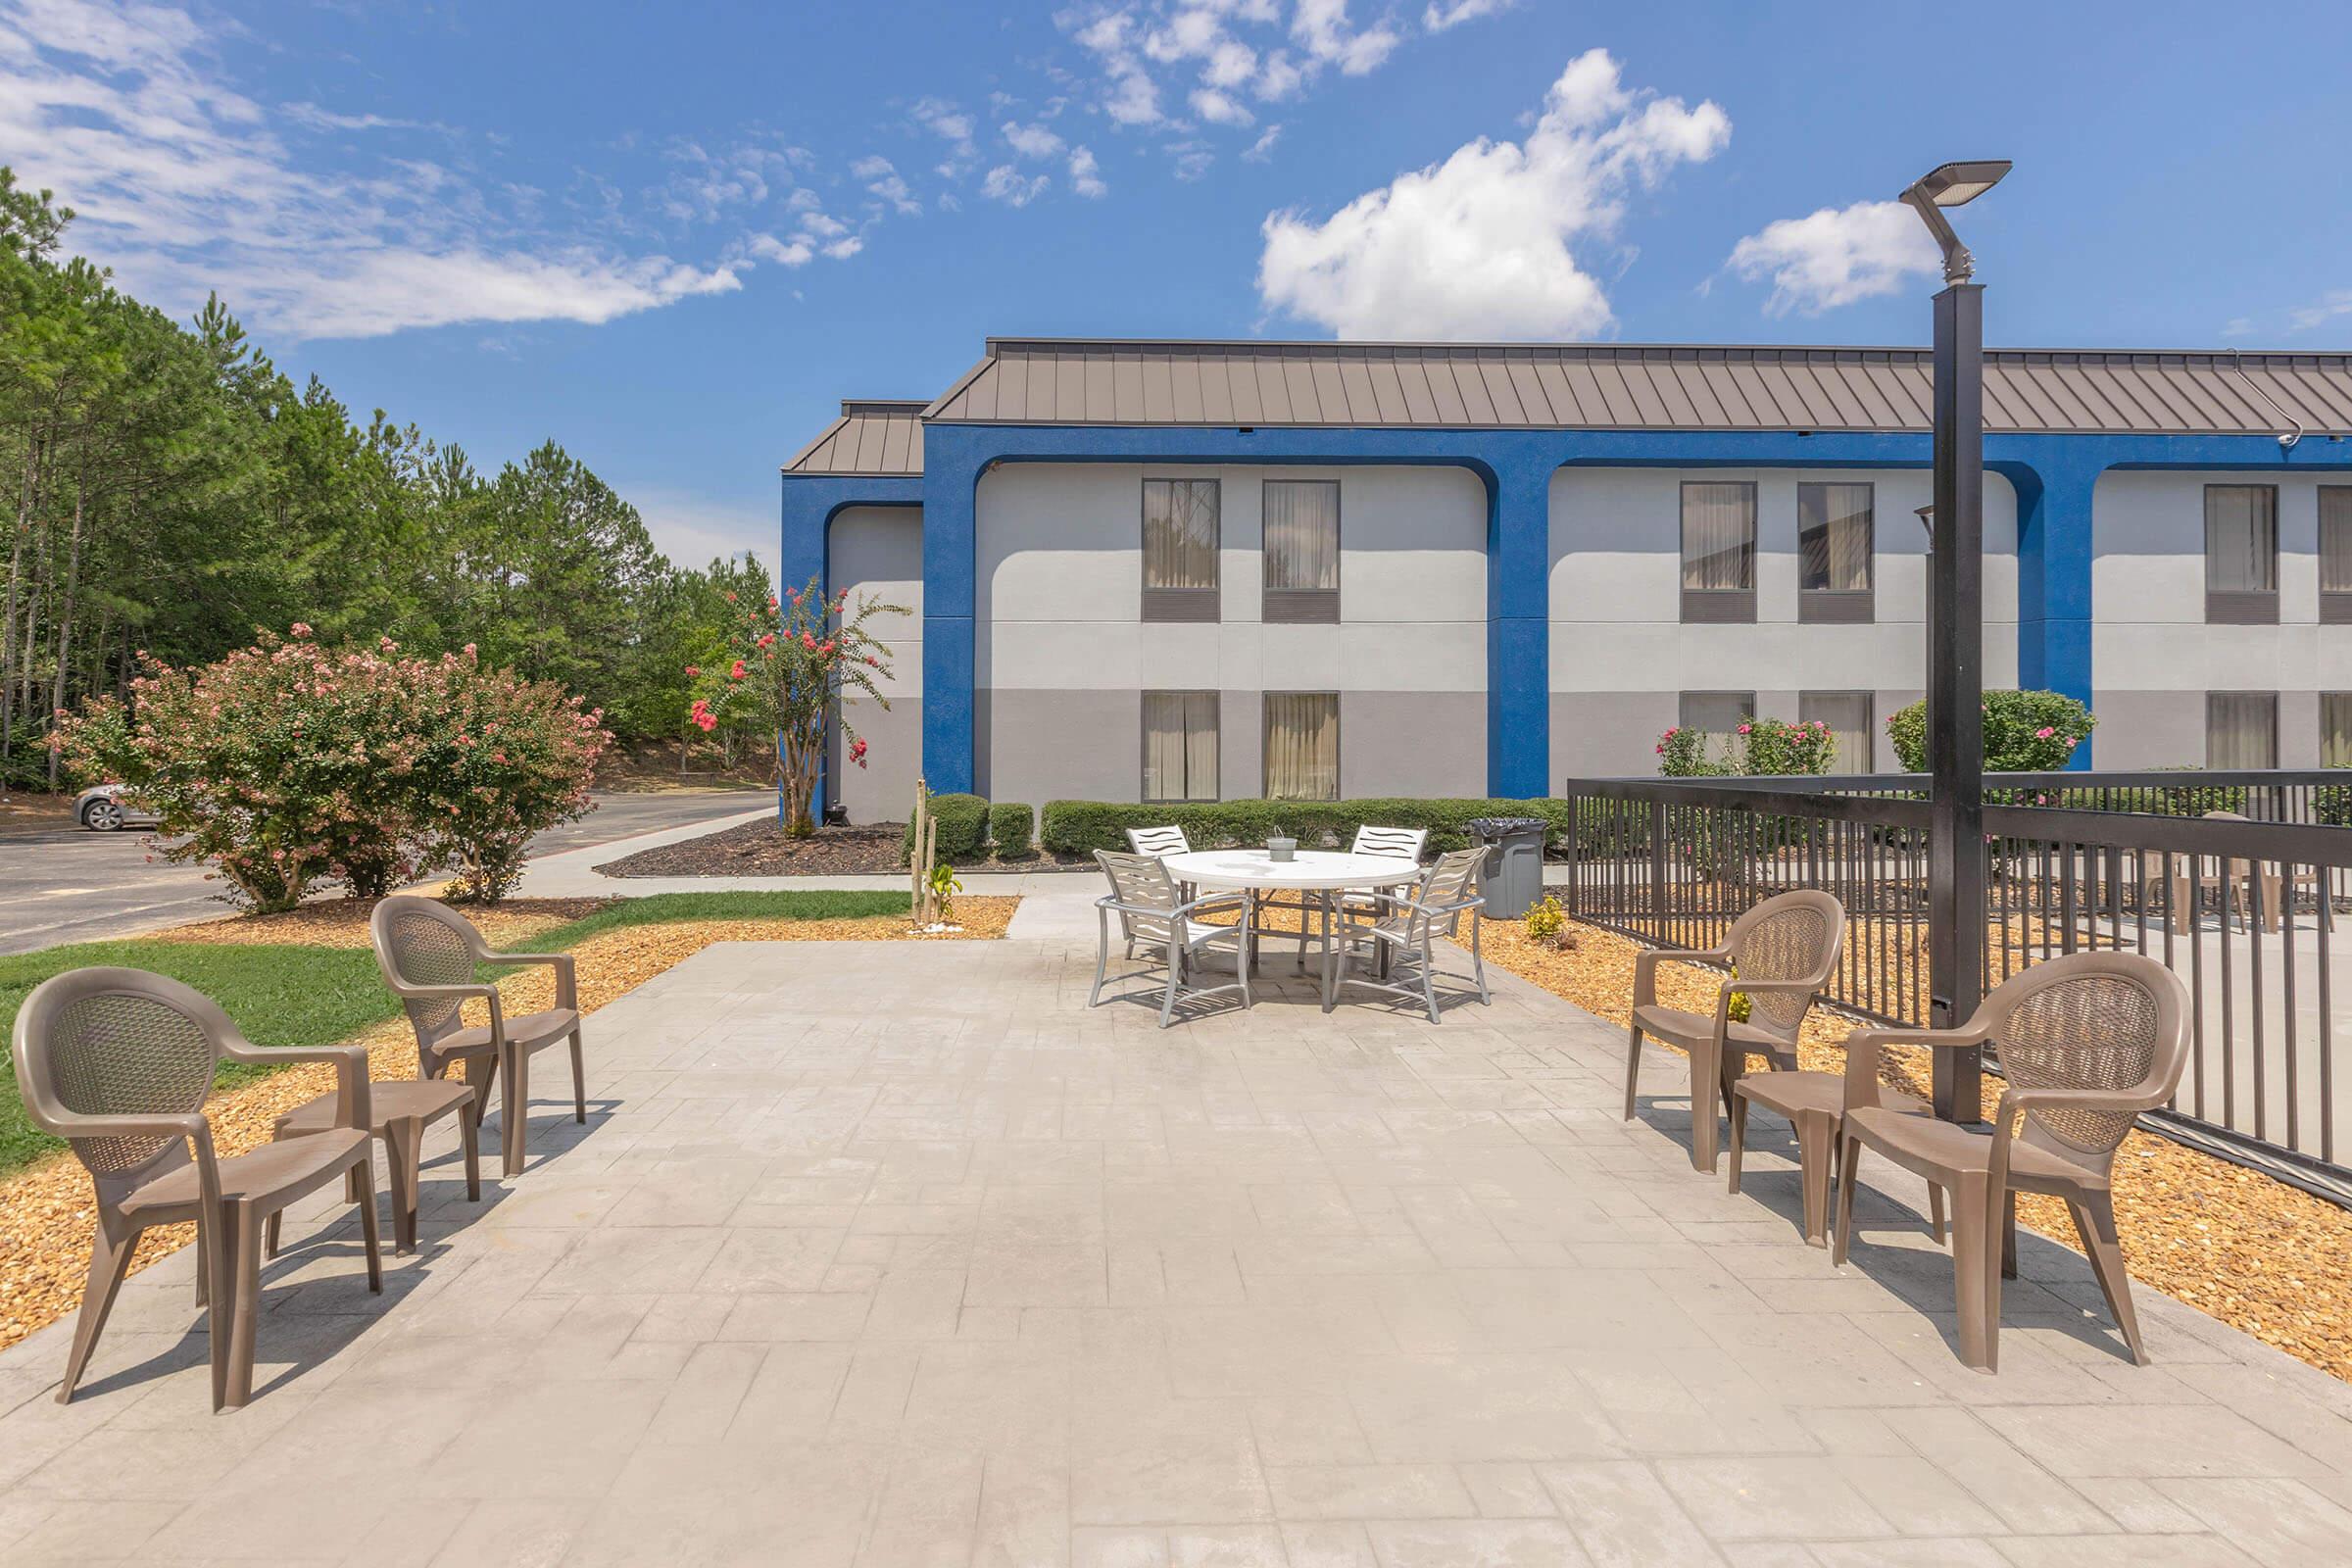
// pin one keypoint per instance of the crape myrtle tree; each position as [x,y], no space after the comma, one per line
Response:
[783,674]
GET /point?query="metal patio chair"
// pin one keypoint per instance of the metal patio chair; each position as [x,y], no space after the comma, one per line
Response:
[1780,955]
[1403,928]
[118,1062]
[2086,1043]
[1157,842]
[1145,898]
[427,953]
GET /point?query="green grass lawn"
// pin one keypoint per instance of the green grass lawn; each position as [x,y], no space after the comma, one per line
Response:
[295,997]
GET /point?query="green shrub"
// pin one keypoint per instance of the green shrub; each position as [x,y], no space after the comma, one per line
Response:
[1081,828]
[962,830]
[1762,748]
[2025,732]
[1012,830]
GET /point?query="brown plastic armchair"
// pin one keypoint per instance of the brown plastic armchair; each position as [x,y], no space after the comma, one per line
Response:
[1780,953]
[118,1062]
[400,1110]
[2086,1043]
[427,953]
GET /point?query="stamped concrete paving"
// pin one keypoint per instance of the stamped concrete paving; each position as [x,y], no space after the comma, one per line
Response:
[884,1255]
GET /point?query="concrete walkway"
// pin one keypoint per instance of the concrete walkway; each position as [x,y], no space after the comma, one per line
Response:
[879,1254]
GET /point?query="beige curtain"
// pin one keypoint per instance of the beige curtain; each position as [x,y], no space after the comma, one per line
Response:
[1719,535]
[1180,533]
[1833,536]
[1180,745]
[2241,729]
[2335,539]
[1848,714]
[1303,746]
[2242,538]
[1302,534]
[2336,729]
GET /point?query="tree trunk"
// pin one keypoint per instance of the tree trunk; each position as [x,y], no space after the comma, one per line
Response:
[65,618]
[8,619]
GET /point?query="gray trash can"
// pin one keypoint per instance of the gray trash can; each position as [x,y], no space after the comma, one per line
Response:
[1511,877]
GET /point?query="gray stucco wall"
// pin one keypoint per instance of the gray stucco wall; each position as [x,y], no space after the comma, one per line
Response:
[876,553]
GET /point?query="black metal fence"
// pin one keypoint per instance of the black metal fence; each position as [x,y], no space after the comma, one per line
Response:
[2243,910]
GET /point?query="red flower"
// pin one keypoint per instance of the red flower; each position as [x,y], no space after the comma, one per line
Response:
[736,673]
[730,596]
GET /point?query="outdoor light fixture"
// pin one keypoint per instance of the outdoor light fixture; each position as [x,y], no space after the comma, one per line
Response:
[1926,522]
[1954,185]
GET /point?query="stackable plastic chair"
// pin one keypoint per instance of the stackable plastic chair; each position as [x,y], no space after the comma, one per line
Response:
[1780,952]
[400,1110]
[1404,928]
[2086,1043]
[1150,910]
[427,953]
[118,1062]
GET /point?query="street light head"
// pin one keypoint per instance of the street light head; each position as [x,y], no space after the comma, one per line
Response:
[1958,184]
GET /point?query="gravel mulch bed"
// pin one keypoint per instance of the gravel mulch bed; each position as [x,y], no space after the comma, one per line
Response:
[2264,1257]
[45,1213]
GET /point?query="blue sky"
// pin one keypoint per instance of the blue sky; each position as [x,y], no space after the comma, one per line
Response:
[671,237]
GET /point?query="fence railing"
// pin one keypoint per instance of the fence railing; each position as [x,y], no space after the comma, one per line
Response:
[2321,796]
[2244,912]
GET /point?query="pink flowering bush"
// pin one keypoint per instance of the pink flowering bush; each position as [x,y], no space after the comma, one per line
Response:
[2025,732]
[1760,748]
[289,766]
[788,665]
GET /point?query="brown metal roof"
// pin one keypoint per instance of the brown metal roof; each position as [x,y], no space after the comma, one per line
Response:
[1630,386]
[872,436]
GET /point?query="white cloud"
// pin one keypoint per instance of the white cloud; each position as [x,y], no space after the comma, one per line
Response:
[1262,150]
[1086,176]
[884,182]
[1321,27]
[1008,184]
[185,185]
[1220,108]
[1192,158]
[1131,98]
[1484,245]
[1278,78]
[1031,141]
[1230,64]
[1835,256]
[2327,307]
[1438,17]
[949,123]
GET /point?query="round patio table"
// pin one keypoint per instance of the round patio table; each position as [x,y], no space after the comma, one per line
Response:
[1318,877]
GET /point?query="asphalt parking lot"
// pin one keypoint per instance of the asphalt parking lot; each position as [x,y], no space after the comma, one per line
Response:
[67,884]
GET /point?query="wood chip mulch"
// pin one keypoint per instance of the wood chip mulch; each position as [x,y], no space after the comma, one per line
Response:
[45,1213]
[2260,1255]
[765,849]
[343,923]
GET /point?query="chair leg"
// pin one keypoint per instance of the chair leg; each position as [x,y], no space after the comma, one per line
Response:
[403,1150]
[1706,1088]
[1167,1003]
[1814,1136]
[204,1273]
[110,1263]
[1478,961]
[244,1285]
[470,1133]
[269,1234]
[1094,998]
[2095,1222]
[1241,957]
[1632,1069]
[1849,1163]
[2009,1236]
[368,1235]
[579,1082]
[1973,1261]
[1429,966]
[482,1091]
[1739,1139]
[515,1110]
[1936,1212]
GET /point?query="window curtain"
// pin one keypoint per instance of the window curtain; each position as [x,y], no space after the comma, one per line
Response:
[2336,729]
[1848,714]
[2335,539]
[1303,746]
[2242,538]
[1302,534]
[1180,533]
[1180,745]
[1719,536]
[1833,536]
[2241,729]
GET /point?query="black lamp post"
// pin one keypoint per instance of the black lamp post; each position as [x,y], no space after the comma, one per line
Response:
[1956,632]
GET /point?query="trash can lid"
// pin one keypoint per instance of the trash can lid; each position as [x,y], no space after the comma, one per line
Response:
[1495,827]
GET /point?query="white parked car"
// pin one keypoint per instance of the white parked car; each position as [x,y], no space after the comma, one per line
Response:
[102,809]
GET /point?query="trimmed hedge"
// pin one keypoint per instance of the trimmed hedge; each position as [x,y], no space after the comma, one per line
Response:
[1012,830]
[962,830]
[1081,828]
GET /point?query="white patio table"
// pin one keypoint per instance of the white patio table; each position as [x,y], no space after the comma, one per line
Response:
[1318,877]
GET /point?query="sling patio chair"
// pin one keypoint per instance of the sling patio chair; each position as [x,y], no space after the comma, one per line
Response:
[2086,1043]
[118,1062]
[400,1110]
[1150,910]
[428,952]
[1159,842]
[1403,928]
[1778,955]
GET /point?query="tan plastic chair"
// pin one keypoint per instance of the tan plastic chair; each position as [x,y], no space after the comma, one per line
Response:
[1782,953]
[400,1110]
[119,1061]
[2086,1043]
[1814,1102]
[427,953]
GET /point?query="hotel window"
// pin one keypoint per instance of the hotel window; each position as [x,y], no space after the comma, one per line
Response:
[2242,554]
[1719,551]
[2335,554]
[1180,549]
[1302,551]
[2241,729]
[1303,746]
[2336,729]
[1180,745]
[1716,712]
[1848,714]
[1833,552]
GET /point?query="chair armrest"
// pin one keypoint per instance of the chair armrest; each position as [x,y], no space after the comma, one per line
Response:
[348,1061]
[2115,1099]
[1863,1046]
[567,991]
[1647,959]
[1213,901]
[156,1124]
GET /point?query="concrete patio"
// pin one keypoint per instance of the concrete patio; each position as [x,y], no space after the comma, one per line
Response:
[878,1253]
